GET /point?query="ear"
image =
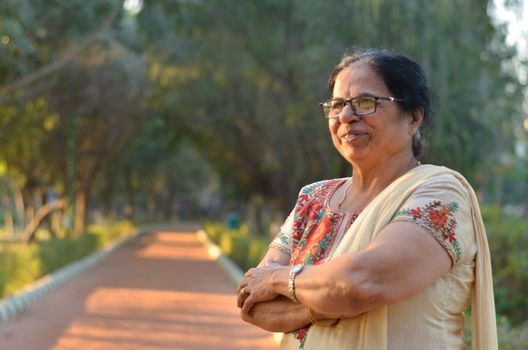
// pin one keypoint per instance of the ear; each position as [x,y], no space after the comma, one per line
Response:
[417,118]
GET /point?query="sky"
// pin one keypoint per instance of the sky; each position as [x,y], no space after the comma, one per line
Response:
[517,27]
[518,36]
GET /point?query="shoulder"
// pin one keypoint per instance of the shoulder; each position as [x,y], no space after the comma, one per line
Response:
[442,175]
[320,187]
[446,182]
[442,205]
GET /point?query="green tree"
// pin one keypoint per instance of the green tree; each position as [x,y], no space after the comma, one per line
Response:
[244,79]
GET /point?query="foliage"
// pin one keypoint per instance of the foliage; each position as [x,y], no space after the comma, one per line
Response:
[22,264]
[509,337]
[18,267]
[245,248]
[512,338]
[238,83]
[242,80]
[509,255]
[36,33]
[163,112]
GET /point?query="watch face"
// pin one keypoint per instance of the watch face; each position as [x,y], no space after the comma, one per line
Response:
[295,269]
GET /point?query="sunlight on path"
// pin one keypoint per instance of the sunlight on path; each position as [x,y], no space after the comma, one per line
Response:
[176,320]
[159,291]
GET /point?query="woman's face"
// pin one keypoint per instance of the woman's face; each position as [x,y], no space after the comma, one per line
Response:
[374,137]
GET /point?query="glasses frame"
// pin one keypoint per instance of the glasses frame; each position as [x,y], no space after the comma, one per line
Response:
[349,102]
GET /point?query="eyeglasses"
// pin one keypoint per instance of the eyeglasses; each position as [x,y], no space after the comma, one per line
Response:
[361,105]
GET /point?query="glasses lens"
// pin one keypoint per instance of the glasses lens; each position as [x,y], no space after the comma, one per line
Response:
[327,107]
[334,107]
[364,105]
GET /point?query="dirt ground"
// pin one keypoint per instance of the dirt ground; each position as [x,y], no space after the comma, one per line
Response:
[158,291]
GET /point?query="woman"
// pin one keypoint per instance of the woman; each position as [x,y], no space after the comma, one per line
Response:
[390,257]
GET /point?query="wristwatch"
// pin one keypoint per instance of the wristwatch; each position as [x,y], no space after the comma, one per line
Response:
[294,271]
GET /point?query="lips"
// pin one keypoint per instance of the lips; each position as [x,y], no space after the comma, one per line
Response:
[352,135]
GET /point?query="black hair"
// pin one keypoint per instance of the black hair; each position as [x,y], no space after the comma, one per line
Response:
[403,77]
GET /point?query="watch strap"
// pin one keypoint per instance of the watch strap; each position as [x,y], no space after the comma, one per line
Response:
[294,271]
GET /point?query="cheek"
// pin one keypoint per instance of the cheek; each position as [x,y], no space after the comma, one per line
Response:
[332,127]
[397,134]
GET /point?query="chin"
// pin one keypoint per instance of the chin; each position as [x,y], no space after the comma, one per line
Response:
[352,156]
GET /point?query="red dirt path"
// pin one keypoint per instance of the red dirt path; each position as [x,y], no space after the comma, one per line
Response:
[158,291]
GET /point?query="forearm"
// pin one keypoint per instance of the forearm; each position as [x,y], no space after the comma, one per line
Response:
[336,290]
[278,315]
[344,292]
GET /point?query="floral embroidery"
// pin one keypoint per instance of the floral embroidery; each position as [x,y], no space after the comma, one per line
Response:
[280,246]
[314,231]
[301,336]
[439,219]
[283,238]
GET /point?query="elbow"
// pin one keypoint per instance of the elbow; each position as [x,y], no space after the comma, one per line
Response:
[364,295]
[355,292]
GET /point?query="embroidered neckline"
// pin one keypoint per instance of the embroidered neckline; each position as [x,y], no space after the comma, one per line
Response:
[331,194]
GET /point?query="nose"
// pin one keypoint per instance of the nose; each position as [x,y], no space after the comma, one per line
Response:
[347,115]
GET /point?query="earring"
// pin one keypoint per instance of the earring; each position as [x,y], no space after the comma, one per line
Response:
[416,135]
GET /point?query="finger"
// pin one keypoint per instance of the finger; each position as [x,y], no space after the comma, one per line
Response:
[242,284]
[242,295]
[249,272]
[246,316]
[243,298]
[248,304]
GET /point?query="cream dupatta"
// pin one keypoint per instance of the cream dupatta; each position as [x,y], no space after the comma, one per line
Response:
[369,331]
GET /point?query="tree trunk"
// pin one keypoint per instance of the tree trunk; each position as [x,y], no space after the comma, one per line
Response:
[80,215]
[256,217]
[57,221]
[48,218]
[29,208]
[29,231]
[19,205]
[151,205]
[106,199]
[8,216]
[169,204]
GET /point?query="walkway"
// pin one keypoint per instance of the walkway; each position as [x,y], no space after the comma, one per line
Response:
[158,291]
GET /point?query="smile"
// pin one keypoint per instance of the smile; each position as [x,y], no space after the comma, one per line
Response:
[350,137]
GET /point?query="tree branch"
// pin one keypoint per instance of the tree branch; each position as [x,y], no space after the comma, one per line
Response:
[72,53]
[43,211]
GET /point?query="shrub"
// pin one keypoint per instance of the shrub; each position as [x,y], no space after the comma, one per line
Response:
[508,241]
[243,247]
[21,264]
[55,253]
[512,338]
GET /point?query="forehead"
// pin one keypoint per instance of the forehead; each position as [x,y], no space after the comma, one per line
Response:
[359,78]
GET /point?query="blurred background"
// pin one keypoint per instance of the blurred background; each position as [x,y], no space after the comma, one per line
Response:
[124,112]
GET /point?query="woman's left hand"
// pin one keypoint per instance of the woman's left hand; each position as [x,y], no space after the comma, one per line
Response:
[258,286]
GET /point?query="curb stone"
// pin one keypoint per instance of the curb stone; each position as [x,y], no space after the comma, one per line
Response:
[234,272]
[12,306]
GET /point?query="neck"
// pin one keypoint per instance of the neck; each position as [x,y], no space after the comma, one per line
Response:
[371,178]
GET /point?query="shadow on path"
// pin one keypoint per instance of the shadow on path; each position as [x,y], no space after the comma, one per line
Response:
[158,291]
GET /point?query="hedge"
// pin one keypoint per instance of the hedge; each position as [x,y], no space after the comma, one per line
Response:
[22,264]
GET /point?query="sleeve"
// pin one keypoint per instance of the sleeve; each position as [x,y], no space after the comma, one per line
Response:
[282,241]
[441,205]
[296,221]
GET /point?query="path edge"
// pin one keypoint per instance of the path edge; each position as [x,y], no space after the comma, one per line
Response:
[232,270]
[15,304]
